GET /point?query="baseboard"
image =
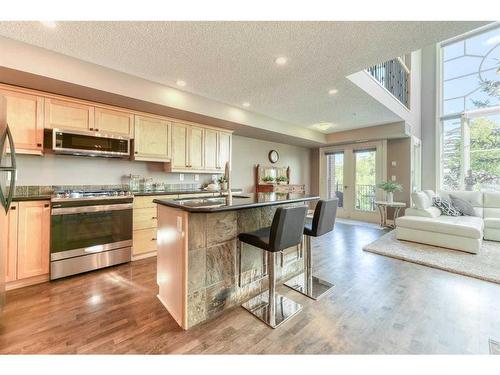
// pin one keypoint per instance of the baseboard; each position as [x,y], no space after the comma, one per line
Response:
[143,256]
[16,284]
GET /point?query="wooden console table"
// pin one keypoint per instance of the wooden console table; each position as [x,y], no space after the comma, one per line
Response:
[263,187]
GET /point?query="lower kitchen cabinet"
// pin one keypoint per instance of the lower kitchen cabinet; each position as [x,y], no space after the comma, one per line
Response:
[27,240]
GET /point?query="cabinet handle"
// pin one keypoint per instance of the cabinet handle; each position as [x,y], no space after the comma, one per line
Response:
[154,218]
[91,128]
[38,145]
[46,205]
[13,208]
[96,130]
[153,239]
[136,152]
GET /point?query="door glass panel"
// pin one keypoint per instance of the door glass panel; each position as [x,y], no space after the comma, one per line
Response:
[365,179]
[335,177]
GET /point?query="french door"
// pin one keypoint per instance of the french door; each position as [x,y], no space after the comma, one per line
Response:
[351,173]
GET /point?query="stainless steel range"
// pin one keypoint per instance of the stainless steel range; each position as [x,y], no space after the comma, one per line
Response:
[89,230]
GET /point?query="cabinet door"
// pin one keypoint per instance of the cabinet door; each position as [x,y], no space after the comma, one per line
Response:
[33,239]
[195,147]
[114,122]
[179,146]
[144,241]
[224,149]
[8,236]
[68,115]
[152,139]
[211,149]
[25,119]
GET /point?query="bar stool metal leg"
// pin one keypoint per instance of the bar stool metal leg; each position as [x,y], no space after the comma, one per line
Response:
[271,307]
[306,283]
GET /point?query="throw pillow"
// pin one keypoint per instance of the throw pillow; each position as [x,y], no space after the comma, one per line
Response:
[421,200]
[445,206]
[462,205]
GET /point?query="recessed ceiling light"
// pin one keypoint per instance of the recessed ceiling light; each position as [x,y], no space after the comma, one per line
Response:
[282,60]
[181,83]
[49,24]
[246,104]
[333,91]
[323,126]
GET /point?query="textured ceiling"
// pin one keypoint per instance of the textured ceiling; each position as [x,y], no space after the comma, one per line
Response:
[233,62]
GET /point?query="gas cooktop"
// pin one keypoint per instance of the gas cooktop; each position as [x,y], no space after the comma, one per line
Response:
[65,195]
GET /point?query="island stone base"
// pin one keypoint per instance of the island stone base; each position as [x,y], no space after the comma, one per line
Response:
[213,262]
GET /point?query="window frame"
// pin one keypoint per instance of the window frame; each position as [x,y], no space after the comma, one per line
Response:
[439,117]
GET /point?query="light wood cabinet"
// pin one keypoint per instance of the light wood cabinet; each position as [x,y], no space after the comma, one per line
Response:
[144,241]
[211,149]
[224,149]
[152,139]
[8,236]
[66,114]
[26,236]
[25,119]
[195,148]
[145,218]
[33,239]
[180,133]
[114,122]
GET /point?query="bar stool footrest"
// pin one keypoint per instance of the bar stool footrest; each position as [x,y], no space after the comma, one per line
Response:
[314,288]
[285,309]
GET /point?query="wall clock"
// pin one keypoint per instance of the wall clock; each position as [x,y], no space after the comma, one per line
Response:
[274,156]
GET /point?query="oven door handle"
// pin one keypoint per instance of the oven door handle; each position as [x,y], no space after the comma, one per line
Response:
[91,209]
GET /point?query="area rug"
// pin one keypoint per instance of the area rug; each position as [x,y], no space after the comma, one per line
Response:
[484,266]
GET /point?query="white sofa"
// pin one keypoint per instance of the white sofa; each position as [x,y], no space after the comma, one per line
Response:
[426,224]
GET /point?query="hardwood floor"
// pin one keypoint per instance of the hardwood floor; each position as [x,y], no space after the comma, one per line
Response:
[379,305]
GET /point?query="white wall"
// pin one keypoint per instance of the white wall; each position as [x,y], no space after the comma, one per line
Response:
[429,97]
[248,152]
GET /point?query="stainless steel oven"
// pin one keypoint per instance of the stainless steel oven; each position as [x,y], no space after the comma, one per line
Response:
[89,233]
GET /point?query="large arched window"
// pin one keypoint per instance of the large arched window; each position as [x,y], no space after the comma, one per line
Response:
[470,112]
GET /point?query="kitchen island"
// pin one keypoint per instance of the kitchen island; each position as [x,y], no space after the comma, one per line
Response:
[200,272]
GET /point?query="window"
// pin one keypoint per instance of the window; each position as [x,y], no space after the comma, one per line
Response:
[470,112]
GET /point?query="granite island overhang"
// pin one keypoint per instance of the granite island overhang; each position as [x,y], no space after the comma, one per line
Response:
[200,273]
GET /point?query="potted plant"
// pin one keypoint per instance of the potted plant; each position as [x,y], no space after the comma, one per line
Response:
[222,182]
[390,187]
[268,179]
[282,180]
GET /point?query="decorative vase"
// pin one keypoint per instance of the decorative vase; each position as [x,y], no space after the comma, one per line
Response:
[390,197]
[223,186]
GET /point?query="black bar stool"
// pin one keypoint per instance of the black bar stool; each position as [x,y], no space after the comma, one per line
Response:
[284,232]
[322,223]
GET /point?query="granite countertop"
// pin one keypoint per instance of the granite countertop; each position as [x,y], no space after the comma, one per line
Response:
[31,197]
[173,192]
[239,202]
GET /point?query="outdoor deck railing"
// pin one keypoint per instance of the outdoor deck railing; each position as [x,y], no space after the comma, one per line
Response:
[365,196]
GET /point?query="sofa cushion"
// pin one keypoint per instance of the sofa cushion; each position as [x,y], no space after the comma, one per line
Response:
[446,206]
[462,226]
[492,222]
[428,212]
[421,200]
[491,212]
[462,205]
[492,199]
[473,197]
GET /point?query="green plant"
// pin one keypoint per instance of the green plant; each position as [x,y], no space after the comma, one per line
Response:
[268,178]
[222,179]
[281,179]
[390,186]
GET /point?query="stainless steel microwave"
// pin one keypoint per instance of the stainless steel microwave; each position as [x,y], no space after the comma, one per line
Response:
[88,143]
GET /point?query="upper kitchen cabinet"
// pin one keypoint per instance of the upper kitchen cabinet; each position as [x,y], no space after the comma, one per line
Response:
[195,148]
[152,139]
[114,122]
[25,119]
[211,149]
[224,149]
[180,133]
[66,114]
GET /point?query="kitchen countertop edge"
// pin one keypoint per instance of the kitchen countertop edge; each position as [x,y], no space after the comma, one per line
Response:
[236,207]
